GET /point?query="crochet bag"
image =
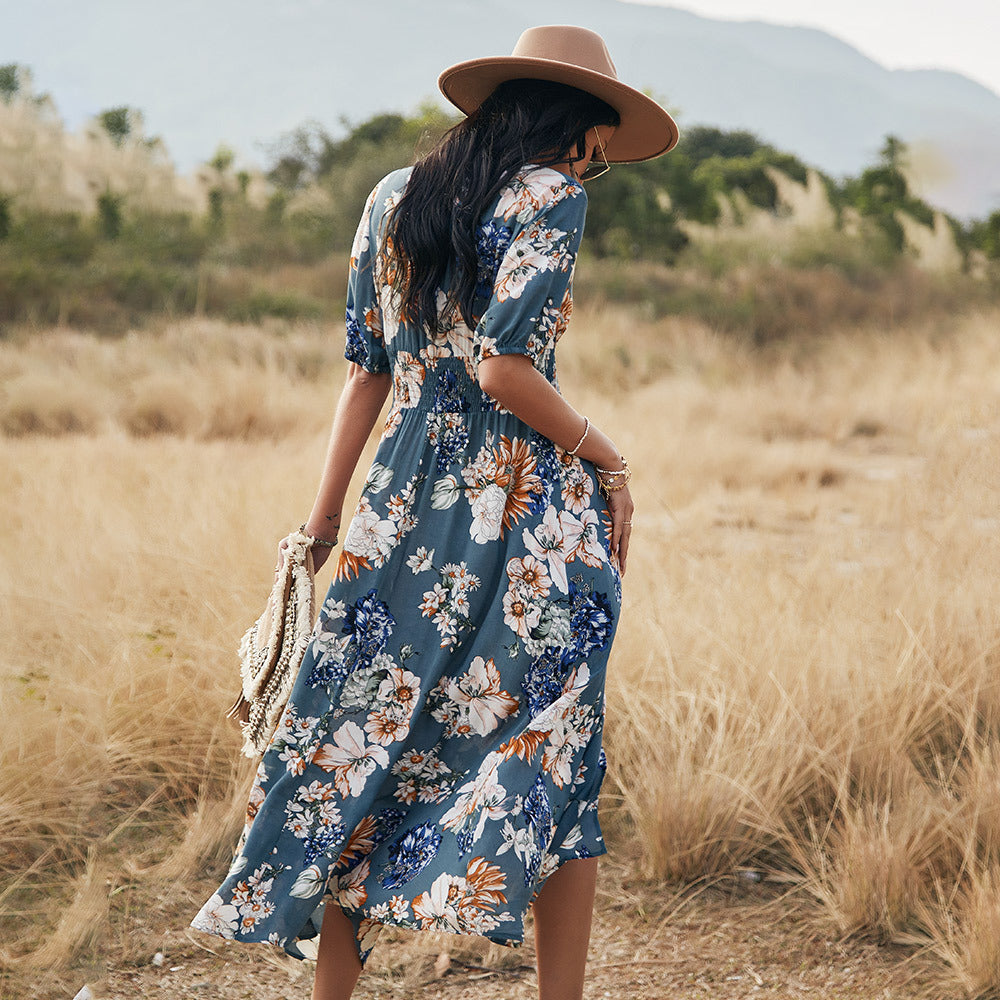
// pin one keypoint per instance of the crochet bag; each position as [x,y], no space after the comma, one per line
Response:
[272,649]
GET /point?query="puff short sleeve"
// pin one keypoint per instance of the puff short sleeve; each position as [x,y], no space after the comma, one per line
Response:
[365,343]
[532,290]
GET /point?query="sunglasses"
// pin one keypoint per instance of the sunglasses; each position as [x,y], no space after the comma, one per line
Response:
[596,169]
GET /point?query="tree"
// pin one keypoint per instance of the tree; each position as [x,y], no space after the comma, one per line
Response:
[121,123]
[222,160]
[10,82]
[893,153]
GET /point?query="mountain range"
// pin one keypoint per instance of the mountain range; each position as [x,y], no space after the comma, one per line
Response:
[245,71]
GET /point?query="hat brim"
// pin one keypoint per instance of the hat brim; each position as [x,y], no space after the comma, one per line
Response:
[646,129]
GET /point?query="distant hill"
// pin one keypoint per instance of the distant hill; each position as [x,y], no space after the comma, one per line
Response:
[244,71]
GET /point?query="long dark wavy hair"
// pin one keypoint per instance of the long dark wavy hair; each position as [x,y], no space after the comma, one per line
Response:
[434,223]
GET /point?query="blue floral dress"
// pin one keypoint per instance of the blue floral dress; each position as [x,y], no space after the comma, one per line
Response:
[441,752]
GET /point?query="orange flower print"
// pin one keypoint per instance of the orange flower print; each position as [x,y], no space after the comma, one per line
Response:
[524,745]
[487,880]
[349,890]
[360,842]
[464,905]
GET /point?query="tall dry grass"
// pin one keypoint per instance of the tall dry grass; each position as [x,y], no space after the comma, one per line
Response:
[806,680]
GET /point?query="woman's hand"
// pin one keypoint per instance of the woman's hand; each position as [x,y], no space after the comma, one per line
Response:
[620,508]
[320,554]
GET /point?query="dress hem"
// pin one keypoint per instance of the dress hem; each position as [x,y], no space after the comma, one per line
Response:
[356,916]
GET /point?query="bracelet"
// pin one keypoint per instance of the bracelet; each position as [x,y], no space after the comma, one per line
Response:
[315,540]
[611,480]
[614,472]
[607,488]
[586,431]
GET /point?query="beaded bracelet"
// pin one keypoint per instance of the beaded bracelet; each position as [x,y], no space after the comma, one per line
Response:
[315,540]
[614,472]
[583,437]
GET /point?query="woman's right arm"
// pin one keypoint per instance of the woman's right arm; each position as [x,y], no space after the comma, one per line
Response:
[514,382]
[532,285]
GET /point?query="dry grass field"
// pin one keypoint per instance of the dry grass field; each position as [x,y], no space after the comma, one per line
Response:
[803,795]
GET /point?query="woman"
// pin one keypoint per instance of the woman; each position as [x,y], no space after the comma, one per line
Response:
[439,760]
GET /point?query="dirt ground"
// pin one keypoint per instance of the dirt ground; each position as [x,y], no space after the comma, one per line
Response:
[730,940]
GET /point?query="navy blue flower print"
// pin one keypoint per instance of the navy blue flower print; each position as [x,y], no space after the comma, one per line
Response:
[492,242]
[322,839]
[543,681]
[547,470]
[591,621]
[356,350]
[446,428]
[410,854]
[538,811]
[369,623]
[448,396]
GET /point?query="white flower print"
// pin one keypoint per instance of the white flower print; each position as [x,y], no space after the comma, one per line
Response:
[518,839]
[309,882]
[581,537]
[483,795]
[547,544]
[216,917]
[360,243]
[569,733]
[421,560]
[472,703]
[350,758]
[332,608]
[464,904]
[446,491]
[530,573]
[487,514]
[520,613]
[349,890]
[408,378]
[577,489]
[379,477]
[529,191]
[396,700]
[369,536]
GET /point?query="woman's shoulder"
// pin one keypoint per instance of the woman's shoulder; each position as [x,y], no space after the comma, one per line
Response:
[534,189]
[391,186]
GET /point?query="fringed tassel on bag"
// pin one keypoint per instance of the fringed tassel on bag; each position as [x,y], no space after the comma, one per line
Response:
[272,649]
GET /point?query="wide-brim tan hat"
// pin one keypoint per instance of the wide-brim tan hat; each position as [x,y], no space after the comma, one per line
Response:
[576,56]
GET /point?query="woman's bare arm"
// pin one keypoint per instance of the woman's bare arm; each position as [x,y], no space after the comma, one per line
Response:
[357,411]
[514,382]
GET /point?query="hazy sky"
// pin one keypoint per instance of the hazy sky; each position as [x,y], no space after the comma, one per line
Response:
[963,35]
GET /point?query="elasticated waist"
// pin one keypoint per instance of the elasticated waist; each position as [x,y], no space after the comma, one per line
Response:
[447,388]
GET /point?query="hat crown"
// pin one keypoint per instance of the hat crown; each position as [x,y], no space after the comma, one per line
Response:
[567,43]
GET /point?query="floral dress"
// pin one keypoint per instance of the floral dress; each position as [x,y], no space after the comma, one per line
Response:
[441,753]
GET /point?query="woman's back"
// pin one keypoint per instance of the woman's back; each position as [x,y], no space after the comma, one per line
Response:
[526,245]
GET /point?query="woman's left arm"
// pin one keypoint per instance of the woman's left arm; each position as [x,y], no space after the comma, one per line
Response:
[357,411]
